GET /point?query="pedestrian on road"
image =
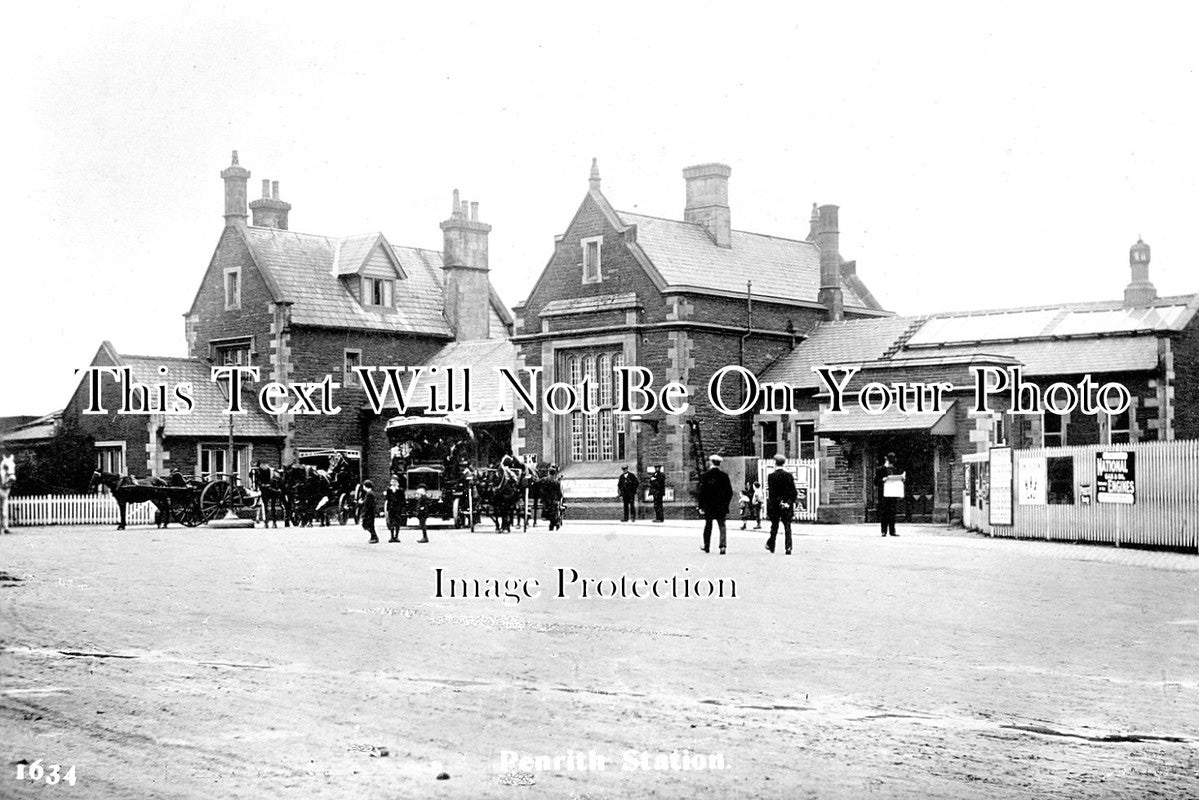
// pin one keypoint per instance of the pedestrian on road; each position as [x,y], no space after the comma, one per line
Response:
[393,508]
[657,490]
[550,490]
[422,513]
[715,493]
[757,499]
[626,487]
[888,480]
[368,511]
[781,503]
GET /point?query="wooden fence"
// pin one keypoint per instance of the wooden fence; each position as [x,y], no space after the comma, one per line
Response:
[76,509]
[1164,513]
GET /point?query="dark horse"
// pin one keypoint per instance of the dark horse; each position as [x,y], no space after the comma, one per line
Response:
[310,492]
[502,492]
[126,490]
[272,486]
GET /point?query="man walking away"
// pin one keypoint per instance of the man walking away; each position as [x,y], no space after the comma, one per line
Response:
[368,511]
[888,481]
[626,486]
[550,490]
[657,490]
[715,492]
[780,503]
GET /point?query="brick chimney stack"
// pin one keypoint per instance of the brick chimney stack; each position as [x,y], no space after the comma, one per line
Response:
[235,177]
[269,210]
[828,239]
[466,288]
[708,200]
[1141,291]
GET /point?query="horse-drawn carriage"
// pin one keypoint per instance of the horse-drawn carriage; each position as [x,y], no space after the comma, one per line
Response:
[440,454]
[187,501]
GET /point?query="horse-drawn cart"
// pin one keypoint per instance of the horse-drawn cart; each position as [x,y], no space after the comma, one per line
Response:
[188,501]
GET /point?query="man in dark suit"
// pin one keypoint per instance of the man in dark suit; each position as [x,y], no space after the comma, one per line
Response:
[888,507]
[626,487]
[780,502]
[657,490]
[715,492]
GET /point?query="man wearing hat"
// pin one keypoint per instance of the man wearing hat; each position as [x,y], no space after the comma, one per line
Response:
[657,490]
[626,487]
[780,503]
[715,492]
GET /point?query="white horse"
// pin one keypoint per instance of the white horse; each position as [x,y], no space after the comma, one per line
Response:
[8,476]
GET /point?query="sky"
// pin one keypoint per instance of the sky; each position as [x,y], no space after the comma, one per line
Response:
[1007,156]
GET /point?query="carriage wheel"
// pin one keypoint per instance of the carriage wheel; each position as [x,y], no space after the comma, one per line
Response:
[214,499]
[190,515]
[345,509]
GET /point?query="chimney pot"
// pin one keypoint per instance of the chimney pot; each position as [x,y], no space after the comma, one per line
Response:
[266,187]
[275,189]
[1140,291]
[828,239]
[474,211]
[466,290]
[235,177]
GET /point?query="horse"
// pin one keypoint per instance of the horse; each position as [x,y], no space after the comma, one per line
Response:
[126,490]
[311,493]
[344,486]
[8,477]
[501,492]
[272,487]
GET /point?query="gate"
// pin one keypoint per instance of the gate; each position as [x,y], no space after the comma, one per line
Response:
[807,484]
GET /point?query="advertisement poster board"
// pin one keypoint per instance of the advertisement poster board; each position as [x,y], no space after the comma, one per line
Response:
[1001,486]
[1116,477]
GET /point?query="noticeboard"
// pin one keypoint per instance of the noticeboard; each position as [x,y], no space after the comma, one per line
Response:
[1116,477]
[1001,485]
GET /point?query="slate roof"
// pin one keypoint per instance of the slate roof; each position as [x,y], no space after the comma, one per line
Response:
[305,268]
[685,256]
[488,390]
[206,418]
[1062,339]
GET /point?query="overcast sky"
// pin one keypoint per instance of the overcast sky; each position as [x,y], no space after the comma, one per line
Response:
[980,159]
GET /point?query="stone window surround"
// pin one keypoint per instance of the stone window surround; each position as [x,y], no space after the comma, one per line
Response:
[232,300]
[598,241]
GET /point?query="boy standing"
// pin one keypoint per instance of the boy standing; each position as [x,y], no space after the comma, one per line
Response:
[422,512]
[393,508]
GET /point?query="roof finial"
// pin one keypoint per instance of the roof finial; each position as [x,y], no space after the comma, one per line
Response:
[594,180]
[235,158]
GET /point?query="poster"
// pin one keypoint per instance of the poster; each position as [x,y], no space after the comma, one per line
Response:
[1116,477]
[1000,485]
[1032,480]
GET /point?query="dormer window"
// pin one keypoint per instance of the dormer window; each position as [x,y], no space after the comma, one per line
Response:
[591,259]
[379,292]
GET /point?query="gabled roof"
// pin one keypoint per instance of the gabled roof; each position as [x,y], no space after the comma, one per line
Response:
[307,270]
[488,390]
[351,253]
[206,418]
[785,269]
[1061,339]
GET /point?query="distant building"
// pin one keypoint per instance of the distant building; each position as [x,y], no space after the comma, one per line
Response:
[1147,343]
[681,298]
[303,306]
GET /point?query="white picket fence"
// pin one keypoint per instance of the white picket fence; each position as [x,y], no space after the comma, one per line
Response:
[76,509]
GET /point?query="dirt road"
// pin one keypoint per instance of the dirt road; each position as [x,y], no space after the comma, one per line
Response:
[231,664]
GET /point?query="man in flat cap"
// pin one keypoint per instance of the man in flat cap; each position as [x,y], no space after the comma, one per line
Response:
[780,502]
[715,492]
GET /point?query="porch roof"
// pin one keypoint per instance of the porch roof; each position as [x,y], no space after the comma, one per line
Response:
[856,421]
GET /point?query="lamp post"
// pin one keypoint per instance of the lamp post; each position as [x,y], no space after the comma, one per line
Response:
[231,518]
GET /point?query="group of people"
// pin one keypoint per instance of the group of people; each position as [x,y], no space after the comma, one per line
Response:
[716,492]
[626,488]
[396,510]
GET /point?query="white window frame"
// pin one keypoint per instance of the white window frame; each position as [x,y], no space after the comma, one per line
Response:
[800,441]
[598,241]
[368,292]
[1061,432]
[247,458]
[350,378]
[232,303]
[110,446]
[1110,428]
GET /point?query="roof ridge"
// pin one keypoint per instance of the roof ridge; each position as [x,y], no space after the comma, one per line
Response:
[734,230]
